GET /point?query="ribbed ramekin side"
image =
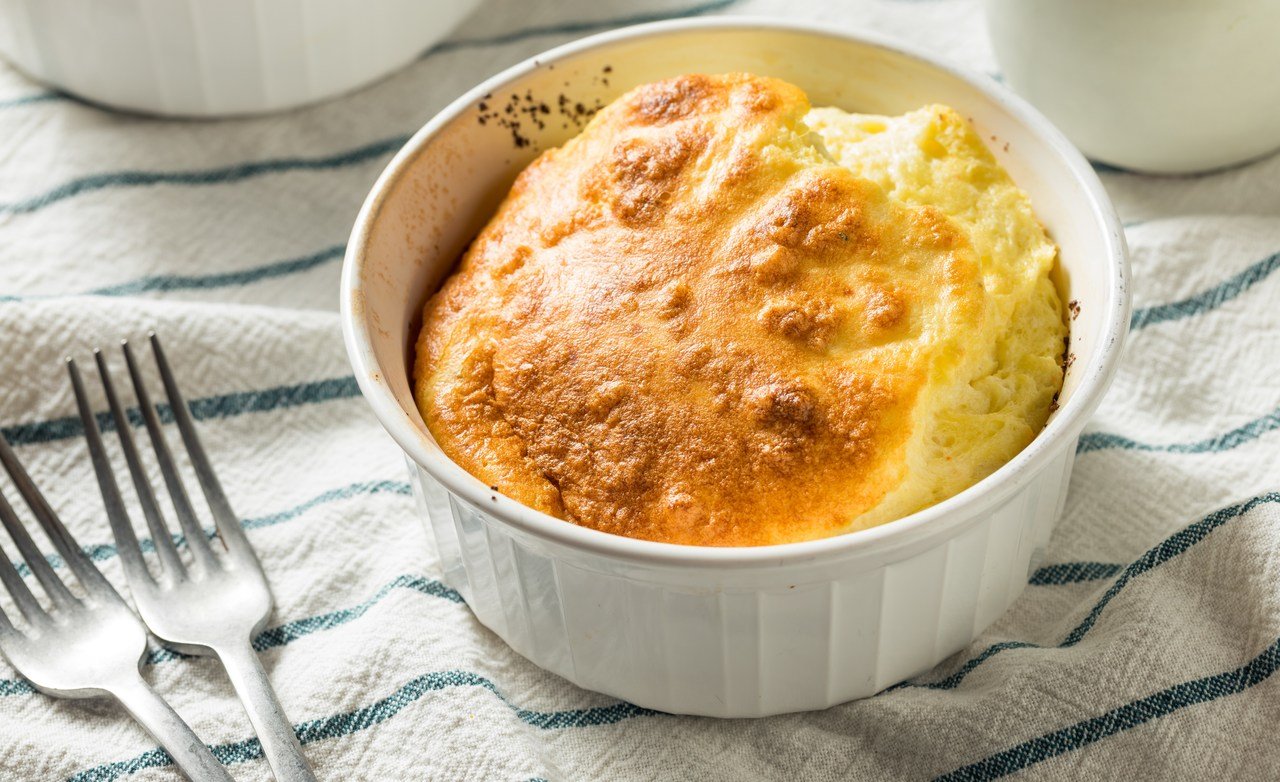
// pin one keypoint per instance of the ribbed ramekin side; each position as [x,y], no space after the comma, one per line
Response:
[432,500]
[762,642]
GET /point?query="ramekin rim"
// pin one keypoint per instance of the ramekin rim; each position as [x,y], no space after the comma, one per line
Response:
[944,519]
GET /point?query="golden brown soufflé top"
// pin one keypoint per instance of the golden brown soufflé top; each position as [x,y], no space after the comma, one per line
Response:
[691,324]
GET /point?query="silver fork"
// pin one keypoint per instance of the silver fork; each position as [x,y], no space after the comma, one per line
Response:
[84,647]
[219,602]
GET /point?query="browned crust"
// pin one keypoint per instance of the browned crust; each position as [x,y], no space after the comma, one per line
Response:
[678,327]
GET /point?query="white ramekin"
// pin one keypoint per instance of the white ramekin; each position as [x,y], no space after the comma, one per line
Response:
[729,632]
[1162,86]
[218,57]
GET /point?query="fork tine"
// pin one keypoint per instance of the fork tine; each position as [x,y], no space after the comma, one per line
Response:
[6,627]
[196,539]
[226,520]
[120,525]
[117,515]
[13,582]
[75,558]
[53,586]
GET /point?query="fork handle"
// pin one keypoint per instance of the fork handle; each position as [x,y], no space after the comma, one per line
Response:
[279,741]
[165,726]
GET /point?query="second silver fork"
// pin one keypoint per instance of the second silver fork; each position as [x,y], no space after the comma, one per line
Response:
[221,600]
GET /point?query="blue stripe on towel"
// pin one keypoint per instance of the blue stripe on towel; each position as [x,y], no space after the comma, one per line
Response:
[1099,441]
[1169,548]
[27,100]
[15,687]
[953,681]
[1166,550]
[101,552]
[363,718]
[292,631]
[175,282]
[287,633]
[1130,715]
[1074,573]
[1207,300]
[374,151]
[202,409]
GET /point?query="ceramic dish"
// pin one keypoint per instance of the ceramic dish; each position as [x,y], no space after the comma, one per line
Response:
[1160,86]
[729,632]
[218,57]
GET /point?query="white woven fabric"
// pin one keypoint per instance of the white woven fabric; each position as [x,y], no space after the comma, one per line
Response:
[1144,650]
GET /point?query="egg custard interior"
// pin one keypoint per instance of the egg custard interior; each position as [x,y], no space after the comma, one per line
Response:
[720,317]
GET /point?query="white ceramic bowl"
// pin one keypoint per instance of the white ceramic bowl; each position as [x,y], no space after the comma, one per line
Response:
[724,631]
[218,57]
[1162,86]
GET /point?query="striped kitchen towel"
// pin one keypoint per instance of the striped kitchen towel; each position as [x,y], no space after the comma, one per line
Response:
[1144,649]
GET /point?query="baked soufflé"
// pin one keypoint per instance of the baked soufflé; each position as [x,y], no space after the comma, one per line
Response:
[718,317]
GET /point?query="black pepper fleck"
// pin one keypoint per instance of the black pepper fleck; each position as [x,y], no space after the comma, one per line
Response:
[520,114]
